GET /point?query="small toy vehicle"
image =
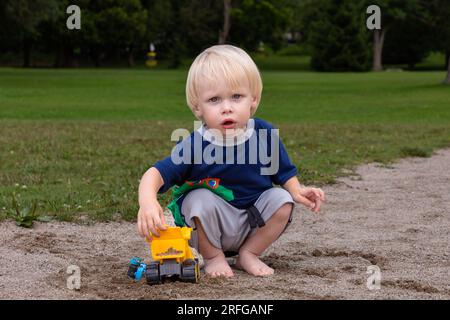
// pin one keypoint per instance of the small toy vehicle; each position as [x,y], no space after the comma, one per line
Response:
[172,257]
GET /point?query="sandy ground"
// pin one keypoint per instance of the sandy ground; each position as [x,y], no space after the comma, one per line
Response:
[396,217]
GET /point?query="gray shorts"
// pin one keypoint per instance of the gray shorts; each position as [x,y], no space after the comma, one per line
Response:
[226,226]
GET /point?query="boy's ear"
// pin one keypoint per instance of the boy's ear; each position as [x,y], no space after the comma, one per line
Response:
[254,105]
[197,111]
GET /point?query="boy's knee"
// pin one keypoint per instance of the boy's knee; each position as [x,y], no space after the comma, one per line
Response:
[200,199]
[200,205]
[283,213]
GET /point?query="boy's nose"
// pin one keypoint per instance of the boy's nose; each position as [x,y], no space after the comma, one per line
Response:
[226,108]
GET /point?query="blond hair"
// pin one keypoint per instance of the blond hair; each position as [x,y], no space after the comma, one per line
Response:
[228,62]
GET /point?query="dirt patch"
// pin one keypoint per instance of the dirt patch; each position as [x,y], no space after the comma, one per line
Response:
[395,217]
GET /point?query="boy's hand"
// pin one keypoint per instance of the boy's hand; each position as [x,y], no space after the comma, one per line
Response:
[310,197]
[150,220]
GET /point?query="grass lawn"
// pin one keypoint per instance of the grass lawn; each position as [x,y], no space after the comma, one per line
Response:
[78,141]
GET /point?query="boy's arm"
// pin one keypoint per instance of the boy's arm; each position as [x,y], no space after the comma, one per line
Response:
[150,215]
[151,182]
[309,197]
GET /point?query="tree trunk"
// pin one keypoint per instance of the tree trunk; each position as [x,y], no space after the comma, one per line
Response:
[94,56]
[57,61]
[67,56]
[130,57]
[223,34]
[26,52]
[447,79]
[378,41]
[59,55]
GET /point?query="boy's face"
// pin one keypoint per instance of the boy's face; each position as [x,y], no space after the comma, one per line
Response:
[223,108]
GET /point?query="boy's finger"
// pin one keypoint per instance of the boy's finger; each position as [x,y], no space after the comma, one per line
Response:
[317,193]
[160,223]
[153,230]
[163,220]
[322,195]
[140,228]
[317,207]
[144,228]
[305,202]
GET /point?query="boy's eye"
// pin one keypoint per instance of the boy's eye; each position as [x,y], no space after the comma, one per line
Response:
[236,96]
[214,99]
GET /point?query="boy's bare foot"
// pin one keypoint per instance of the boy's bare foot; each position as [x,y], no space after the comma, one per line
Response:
[249,262]
[218,267]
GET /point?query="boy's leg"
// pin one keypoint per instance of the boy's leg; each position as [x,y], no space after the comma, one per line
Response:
[215,222]
[215,263]
[258,242]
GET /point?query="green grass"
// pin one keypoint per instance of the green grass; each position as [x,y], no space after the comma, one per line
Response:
[434,61]
[283,63]
[78,141]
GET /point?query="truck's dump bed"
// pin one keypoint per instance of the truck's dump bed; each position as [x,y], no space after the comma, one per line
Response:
[171,244]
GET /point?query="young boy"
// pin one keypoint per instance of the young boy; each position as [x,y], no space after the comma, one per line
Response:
[226,169]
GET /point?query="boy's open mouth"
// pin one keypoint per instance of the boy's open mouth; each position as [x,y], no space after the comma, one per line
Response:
[228,124]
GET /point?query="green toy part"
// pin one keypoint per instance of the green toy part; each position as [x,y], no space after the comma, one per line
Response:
[211,184]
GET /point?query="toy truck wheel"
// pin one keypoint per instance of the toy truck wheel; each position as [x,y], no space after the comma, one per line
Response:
[134,265]
[131,271]
[190,271]
[152,274]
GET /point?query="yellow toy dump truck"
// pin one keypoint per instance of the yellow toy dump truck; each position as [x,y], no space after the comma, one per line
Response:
[172,257]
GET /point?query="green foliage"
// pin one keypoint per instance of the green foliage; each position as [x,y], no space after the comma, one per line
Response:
[200,20]
[26,216]
[255,21]
[181,27]
[415,152]
[337,36]
[406,31]
[19,23]
[25,15]
[408,41]
[438,12]
[121,22]
[116,29]
[293,50]
[394,11]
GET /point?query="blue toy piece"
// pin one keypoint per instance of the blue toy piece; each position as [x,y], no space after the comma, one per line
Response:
[136,269]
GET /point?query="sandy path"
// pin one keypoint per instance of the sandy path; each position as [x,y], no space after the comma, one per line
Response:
[396,217]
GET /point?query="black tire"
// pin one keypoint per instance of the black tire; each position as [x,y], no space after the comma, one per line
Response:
[132,271]
[152,274]
[190,271]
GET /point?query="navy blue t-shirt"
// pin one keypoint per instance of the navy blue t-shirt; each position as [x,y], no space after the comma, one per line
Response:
[248,157]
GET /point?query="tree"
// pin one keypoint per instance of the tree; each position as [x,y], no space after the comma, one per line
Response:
[438,15]
[392,11]
[201,22]
[259,20]
[121,24]
[182,27]
[62,42]
[165,29]
[409,42]
[223,34]
[337,35]
[24,16]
